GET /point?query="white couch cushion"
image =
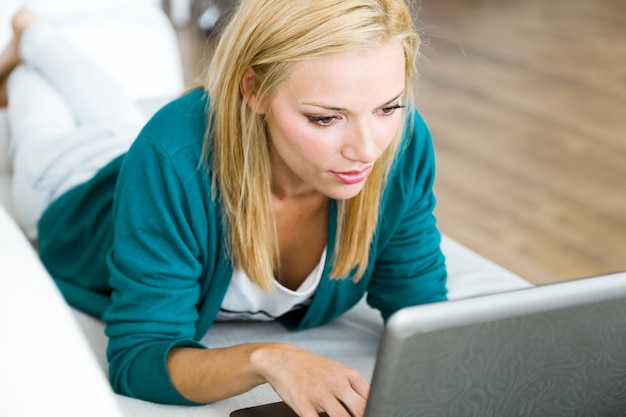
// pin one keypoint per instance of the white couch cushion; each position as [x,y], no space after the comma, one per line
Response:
[4,143]
[5,169]
[47,366]
[5,194]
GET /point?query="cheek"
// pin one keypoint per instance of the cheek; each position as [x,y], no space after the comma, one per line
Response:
[389,132]
[302,138]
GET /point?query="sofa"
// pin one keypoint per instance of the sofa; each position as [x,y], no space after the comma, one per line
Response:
[52,359]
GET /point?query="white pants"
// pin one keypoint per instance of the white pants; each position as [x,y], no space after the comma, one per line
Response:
[67,118]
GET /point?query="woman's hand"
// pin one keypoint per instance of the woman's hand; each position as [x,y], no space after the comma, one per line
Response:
[309,383]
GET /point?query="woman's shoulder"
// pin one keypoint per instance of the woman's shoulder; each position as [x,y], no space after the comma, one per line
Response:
[416,129]
[191,103]
[416,151]
[185,113]
[179,124]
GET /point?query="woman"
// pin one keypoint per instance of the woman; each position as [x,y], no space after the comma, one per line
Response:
[298,181]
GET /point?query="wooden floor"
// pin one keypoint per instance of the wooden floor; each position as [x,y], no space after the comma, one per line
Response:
[526,100]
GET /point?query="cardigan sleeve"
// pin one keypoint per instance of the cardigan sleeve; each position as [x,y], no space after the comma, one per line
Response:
[409,266]
[155,264]
[168,269]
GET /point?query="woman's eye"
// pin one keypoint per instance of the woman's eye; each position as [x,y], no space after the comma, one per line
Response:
[391,109]
[323,120]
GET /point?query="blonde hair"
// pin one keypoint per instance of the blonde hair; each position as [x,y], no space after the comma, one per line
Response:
[269,36]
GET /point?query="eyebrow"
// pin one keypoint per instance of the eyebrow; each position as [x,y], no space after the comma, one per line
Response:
[333,108]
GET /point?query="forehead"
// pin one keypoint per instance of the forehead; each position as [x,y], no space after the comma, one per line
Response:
[374,74]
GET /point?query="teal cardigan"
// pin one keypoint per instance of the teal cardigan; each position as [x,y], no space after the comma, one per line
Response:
[142,246]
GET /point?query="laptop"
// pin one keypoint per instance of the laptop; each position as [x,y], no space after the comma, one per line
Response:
[552,350]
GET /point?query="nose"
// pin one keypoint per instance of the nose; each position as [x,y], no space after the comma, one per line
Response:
[360,145]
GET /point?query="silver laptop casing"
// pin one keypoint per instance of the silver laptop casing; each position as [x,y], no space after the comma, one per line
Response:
[554,350]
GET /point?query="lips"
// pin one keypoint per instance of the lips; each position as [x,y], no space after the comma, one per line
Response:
[352,177]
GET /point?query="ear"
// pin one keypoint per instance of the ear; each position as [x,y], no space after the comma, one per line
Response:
[247,88]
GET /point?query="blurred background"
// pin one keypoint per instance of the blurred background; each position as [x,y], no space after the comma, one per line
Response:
[526,100]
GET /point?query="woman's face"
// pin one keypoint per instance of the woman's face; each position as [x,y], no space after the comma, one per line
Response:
[332,119]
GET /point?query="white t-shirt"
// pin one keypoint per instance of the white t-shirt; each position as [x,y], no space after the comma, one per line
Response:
[246,301]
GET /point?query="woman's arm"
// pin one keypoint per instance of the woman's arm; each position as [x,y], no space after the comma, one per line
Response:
[308,383]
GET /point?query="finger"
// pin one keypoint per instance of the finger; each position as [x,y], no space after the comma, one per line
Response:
[335,408]
[351,401]
[354,396]
[361,386]
[354,404]
[306,411]
[356,408]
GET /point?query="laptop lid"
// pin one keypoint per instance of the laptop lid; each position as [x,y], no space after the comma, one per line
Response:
[554,350]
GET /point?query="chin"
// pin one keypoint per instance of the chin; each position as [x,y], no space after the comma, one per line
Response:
[345,192]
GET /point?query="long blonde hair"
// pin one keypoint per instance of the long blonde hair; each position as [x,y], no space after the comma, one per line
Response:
[269,36]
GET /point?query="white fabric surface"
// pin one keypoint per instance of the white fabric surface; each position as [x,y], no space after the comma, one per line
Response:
[5,168]
[46,367]
[245,300]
